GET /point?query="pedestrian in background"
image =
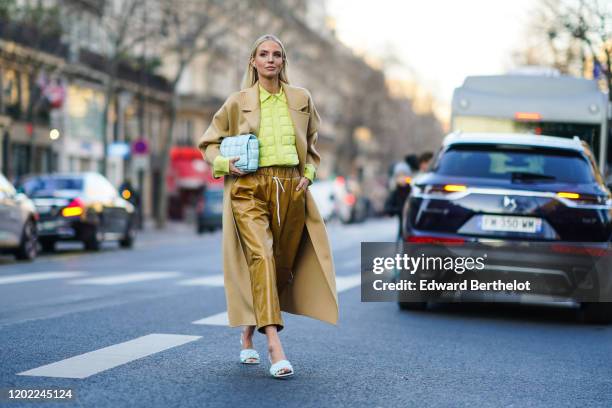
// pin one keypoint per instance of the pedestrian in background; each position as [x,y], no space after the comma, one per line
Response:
[276,252]
[425,161]
[394,204]
[131,194]
[413,162]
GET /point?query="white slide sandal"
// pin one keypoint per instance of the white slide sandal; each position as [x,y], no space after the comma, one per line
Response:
[276,370]
[249,356]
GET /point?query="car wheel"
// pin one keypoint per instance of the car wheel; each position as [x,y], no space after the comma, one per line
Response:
[94,240]
[128,239]
[412,305]
[47,245]
[28,247]
[200,229]
[597,313]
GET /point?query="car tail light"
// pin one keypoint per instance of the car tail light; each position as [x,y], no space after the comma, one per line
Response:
[564,194]
[74,209]
[445,189]
[453,188]
[426,239]
[350,199]
[527,116]
[585,199]
[579,250]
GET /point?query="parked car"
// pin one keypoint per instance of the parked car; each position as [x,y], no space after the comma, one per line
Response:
[513,188]
[82,207]
[210,209]
[18,223]
[323,193]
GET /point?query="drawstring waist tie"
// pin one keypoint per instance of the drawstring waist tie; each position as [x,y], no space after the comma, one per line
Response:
[278,173]
[278,184]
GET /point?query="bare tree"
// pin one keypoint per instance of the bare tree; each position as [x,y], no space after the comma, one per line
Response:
[571,35]
[189,28]
[125,29]
[591,24]
[544,46]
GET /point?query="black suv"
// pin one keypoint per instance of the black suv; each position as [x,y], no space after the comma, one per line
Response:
[511,189]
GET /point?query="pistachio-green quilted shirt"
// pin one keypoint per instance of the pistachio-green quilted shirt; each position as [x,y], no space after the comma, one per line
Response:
[276,137]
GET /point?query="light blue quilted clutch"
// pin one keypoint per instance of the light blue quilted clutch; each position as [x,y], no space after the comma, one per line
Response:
[244,146]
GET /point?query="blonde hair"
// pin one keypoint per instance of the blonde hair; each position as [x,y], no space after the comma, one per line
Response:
[250,75]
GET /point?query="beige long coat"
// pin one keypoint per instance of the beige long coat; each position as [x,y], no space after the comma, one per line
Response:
[313,289]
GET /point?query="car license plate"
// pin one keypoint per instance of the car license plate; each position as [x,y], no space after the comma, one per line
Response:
[47,225]
[511,224]
[43,209]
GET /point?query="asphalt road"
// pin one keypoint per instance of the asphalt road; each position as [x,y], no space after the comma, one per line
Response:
[144,328]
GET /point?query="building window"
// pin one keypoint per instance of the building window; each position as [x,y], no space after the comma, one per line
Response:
[184,135]
[10,93]
[85,112]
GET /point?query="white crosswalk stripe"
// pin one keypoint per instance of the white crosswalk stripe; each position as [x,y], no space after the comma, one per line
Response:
[125,278]
[88,364]
[347,282]
[32,277]
[343,283]
[219,319]
[214,280]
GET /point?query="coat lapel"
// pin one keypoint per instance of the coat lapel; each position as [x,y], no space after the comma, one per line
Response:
[249,105]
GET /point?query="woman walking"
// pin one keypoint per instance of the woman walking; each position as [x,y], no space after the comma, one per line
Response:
[276,252]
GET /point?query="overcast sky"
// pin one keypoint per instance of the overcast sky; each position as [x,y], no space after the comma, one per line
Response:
[442,41]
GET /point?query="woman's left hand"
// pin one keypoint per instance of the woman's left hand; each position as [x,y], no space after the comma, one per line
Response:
[303,185]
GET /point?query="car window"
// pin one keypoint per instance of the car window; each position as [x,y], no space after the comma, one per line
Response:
[99,187]
[46,186]
[504,163]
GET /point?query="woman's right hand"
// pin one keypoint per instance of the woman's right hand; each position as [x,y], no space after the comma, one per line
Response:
[234,171]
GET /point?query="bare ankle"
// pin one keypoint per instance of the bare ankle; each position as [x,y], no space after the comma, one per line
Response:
[247,337]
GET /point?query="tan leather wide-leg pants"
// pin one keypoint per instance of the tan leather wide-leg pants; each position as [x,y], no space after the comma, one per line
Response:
[270,217]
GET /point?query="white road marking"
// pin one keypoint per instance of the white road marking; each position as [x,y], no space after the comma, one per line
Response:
[343,283]
[31,277]
[219,319]
[88,364]
[125,278]
[214,280]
